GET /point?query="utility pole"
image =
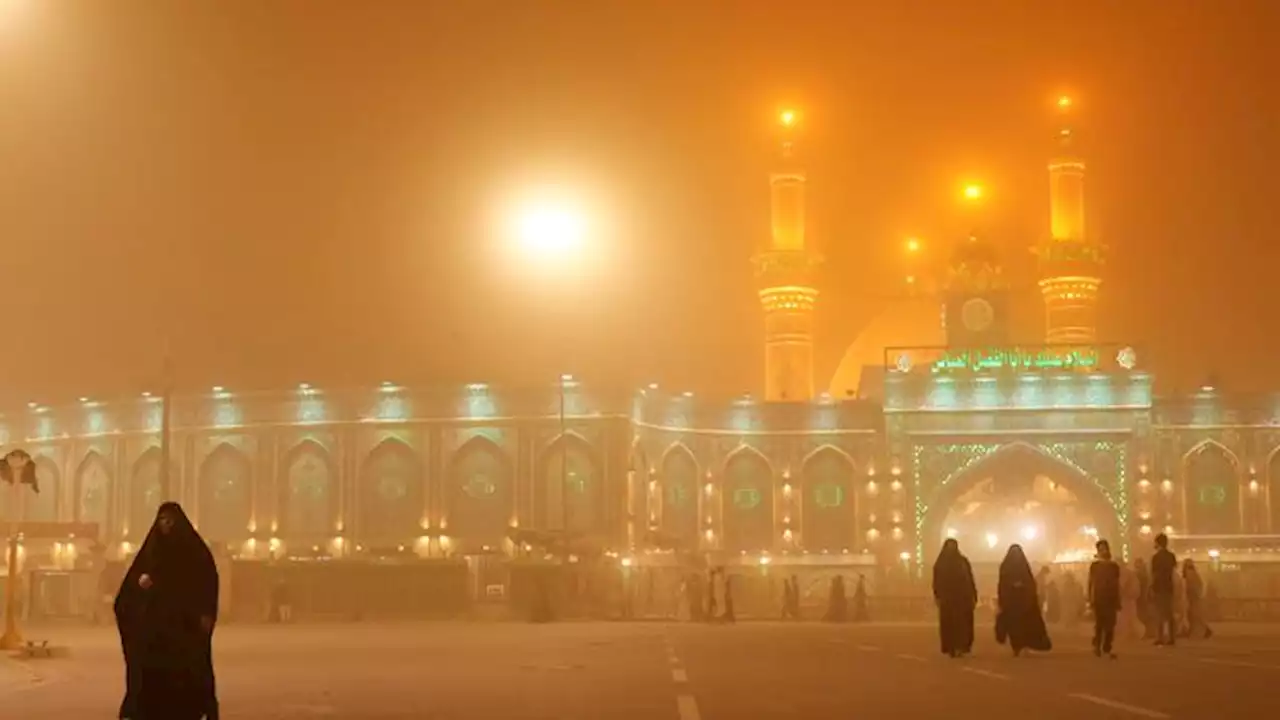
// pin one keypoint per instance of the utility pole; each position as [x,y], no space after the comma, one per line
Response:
[166,407]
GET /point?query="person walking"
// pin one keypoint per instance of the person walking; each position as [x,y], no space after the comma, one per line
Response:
[1164,566]
[1104,598]
[956,595]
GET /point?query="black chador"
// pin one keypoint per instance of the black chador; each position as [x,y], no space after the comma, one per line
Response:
[1019,620]
[166,611]
[956,595]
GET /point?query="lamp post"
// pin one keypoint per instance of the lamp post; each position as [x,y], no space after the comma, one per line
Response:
[551,233]
[18,469]
[564,465]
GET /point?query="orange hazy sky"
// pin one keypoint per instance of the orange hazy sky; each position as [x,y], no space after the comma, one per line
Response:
[308,190]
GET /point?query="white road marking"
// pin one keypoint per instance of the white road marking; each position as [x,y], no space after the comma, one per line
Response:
[869,648]
[1114,705]
[985,673]
[688,707]
[1239,663]
[679,675]
[905,656]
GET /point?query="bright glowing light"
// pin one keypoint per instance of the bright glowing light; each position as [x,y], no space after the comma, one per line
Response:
[1215,554]
[913,245]
[973,192]
[1089,531]
[627,562]
[904,556]
[1064,101]
[953,533]
[33,404]
[550,230]
[764,560]
[992,540]
[566,378]
[1029,533]
[218,388]
[788,118]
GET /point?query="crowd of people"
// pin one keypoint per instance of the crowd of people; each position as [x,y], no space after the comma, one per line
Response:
[1160,601]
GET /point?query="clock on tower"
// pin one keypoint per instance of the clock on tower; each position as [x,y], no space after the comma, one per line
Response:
[976,297]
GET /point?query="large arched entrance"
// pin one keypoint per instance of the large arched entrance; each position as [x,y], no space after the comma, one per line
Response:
[1020,493]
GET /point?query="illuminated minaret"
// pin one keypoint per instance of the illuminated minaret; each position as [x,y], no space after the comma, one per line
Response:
[785,269]
[1070,263]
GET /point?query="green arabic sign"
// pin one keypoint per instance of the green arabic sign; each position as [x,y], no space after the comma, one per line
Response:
[1018,359]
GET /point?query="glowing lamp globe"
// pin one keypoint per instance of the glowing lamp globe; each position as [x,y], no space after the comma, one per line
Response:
[548,231]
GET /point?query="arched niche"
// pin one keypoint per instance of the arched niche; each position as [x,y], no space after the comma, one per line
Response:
[638,489]
[1212,475]
[679,501]
[93,492]
[748,502]
[1273,489]
[391,500]
[828,501]
[307,500]
[225,496]
[569,481]
[145,491]
[479,495]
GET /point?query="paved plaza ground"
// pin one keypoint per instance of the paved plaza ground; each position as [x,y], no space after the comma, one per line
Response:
[661,671]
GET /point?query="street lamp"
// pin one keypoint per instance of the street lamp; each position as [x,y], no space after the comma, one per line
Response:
[550,230]
[553,231]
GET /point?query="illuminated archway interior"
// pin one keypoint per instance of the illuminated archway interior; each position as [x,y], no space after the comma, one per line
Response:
[1049,520]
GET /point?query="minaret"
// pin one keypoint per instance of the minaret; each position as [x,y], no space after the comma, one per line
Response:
[785,269]
[1070,263]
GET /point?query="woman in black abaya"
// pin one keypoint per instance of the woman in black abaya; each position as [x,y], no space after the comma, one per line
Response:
[1019,619]
[165,611]
[956,595]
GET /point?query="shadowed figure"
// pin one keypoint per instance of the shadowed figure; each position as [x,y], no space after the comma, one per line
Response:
[956,595]
[1019,620]
[166,611]
[837,601]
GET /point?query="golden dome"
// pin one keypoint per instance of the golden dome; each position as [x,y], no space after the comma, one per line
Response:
[913,322]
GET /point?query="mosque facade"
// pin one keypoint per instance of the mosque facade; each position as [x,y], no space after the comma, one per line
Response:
[935,398]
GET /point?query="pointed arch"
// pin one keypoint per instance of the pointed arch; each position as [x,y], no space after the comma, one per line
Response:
[1211,477]
[392,503]
[479,495]
[308,498]
[1272,468]
[748,501]
[1024,459]
[93,492]
[569,479]
[145,492]
[828,502]
[678,494]
[224,495]
[43,506]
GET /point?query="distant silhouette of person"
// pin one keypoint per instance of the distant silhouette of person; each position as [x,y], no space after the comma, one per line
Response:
[1019,621]
[860,613]
[837,602]
[166,611]
[1197,623]
[728,616]
[956,595]
[1164,567]
[1105,599]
